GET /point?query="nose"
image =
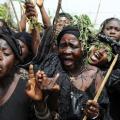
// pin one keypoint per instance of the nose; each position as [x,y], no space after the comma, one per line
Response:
[112,31]
[68,50]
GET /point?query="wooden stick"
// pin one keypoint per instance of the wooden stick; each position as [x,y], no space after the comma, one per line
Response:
[16,15]
[57,15]
[104,81]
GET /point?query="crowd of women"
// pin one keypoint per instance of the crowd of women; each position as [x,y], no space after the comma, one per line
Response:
[50,75]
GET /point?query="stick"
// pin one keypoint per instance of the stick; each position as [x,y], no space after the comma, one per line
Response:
[104,81]
[57,15]
[16,16]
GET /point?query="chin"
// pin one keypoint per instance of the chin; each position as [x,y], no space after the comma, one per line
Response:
[69,67]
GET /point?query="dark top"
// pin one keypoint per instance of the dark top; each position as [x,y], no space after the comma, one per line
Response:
[71,101]
[114,93]
[18,107]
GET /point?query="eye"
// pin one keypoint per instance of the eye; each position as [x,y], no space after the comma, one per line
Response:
[6,54]
[117,29]
[74,46]
[62,45]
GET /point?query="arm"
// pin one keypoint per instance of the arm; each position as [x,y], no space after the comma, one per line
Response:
[31,14]
[36,40]
[45,17]
[23,22]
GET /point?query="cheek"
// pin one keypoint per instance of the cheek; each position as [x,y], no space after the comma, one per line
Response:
[106,32]
[77,53]
[104,59]
[61,51]
[8,64]
[118,34]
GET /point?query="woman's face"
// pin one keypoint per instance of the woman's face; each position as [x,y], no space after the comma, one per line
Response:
[69,51]
[99,55]
[61,22]
[7,58]
[25,51]
[112,30]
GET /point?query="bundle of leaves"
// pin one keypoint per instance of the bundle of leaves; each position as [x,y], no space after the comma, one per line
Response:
[87,30]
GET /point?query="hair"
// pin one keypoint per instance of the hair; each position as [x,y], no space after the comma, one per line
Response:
[102,26]
[26,38]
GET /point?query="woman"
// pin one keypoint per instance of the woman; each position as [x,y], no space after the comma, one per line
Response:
[14,103]
[78,82]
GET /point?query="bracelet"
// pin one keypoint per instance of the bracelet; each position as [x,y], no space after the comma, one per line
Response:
[42,115]
[95,117]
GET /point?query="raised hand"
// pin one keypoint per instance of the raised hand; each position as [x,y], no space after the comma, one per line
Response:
[46,83]
[32,89]
[30,10]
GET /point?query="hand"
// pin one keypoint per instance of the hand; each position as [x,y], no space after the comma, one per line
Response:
[30,10]
[46,83]
[32,89]
[40,3]
[92,109]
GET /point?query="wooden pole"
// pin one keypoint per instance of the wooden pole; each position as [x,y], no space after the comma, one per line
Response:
[16,16]
[57,15]
[97,12]
[104,81]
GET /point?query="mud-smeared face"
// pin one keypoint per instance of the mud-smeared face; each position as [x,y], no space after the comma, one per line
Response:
[7,58]
[69,51]
[99,54]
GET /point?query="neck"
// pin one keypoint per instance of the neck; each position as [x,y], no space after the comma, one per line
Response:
[77,69]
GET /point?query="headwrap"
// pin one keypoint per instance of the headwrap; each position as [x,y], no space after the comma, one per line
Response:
[26,38]
[13,43]
[68,30]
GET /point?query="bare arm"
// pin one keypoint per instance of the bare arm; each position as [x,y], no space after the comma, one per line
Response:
[45,17]
[23,22]
[36,40]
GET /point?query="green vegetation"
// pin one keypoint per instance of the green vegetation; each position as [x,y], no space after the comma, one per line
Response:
[87,30]
[5,14]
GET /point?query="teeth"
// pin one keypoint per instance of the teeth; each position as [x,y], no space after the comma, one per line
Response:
[94,58]
[97,54]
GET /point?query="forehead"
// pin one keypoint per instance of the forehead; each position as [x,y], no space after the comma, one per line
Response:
[69,37]
[114,23]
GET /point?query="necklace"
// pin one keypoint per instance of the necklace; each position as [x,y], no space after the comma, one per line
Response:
[84,79]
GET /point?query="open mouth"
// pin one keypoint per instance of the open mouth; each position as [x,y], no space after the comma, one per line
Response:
[95,57]
[68,61]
